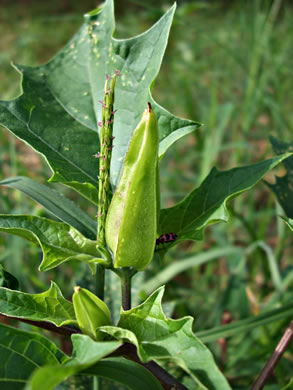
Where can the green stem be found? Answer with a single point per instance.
(96, 384)
(100, 281)
(126, 275)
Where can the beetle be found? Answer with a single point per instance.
(165, 238)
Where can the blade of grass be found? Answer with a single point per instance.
(245, 325)
(176, 268)
(273, 265)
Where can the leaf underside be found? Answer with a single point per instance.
(63, 208)
(59, 242)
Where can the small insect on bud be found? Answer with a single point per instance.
(166, 238)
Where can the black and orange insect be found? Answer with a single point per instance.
(165, 238)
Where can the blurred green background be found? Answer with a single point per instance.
(228, 65)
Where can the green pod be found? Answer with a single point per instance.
(91, 312)
(131, 224)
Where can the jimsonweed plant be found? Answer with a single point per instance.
(91, 114)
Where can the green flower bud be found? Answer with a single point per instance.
(131, 224)
(91, 312)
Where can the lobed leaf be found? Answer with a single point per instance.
(162, 339)
(207, 203)
(49, 306)
(59, 241)
(59, 109)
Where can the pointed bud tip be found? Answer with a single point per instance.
(149, 107)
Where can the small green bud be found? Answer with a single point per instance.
(131, 224)
(91, 312)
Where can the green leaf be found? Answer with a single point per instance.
(125, 372)
(159, 338)
(49, 306)
(283, 188)
(87, 190)
(289, 385)
(7, 279)
(59, 241)
(289, 222)
(126, 336)
(86, 353)
(59, 109)
(207, 203)
(64, 209)
(21, 353)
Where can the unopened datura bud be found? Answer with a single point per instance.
(131, 224)
(91, 312)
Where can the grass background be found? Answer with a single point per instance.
(228, 65)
